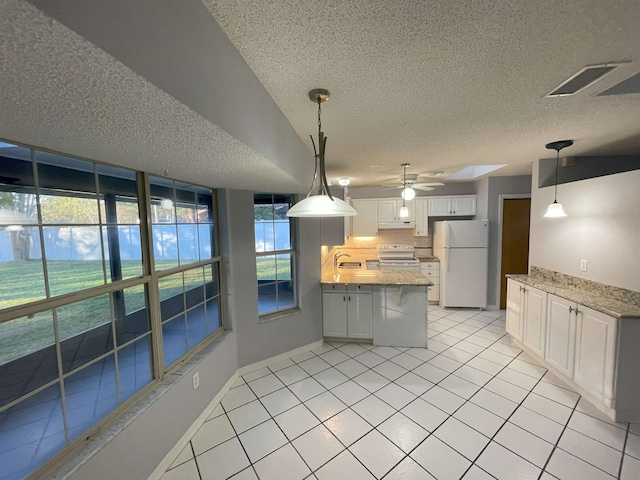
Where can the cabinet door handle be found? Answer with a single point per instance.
(344, 298)
(349, 297)
(571, 309)
(577, 312)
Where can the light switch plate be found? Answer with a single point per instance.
(583, 265)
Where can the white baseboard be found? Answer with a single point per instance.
(191, 431)
(278, 358)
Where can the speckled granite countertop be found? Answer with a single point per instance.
(373, 277)
(594, 300)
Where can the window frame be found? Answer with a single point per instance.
(293, 251)
(147, 279)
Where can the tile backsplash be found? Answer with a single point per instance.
(390, 235)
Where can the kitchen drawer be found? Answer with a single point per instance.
(430, 266)
(334, 287)
(431, 274)
(360, 288)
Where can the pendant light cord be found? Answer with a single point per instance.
(555, 194)
(404, 186)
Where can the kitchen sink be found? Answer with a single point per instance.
(350, 265)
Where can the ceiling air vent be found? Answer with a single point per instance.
(582, 79)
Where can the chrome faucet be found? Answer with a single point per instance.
(337, 256)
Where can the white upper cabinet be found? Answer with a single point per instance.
(439, 207)
(456, 206)
(422, 217)
(389, 213)
(463, 205)
(365, 223)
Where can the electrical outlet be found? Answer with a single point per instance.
(583, 265)
(196, 380)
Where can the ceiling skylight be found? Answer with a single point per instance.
(469, 173)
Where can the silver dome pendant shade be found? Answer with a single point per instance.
(323, 204)
(555, 209)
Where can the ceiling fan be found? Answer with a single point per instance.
(409, 183)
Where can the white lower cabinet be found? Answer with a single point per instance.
(347, 311)
(527, 315)
(431, 270)
(515, 309)
(595, 353)
(535, 319)
(561, 334)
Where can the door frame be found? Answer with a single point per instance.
(501, 198)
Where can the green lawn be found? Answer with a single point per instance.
(22, 282)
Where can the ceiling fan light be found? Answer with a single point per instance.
(404, 211)
(321, 206)
(408, 193)
(344, 181)
(555, 210)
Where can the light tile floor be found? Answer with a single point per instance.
(471, 406)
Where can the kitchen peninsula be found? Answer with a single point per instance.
(385, 307)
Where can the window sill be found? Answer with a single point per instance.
(269, 317)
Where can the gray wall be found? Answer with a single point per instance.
(520, 185)
(257, 341)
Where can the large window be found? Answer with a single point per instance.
(275, 254)
(76, 281)
(186, 263)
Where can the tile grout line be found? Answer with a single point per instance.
(624, 448)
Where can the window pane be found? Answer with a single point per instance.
(188, 243)
(90, 395)
(165, 246)
(57, 208)
(27, 355)
(185, 203)
(266, 268)
(267, 298)
(265, 240)
(85, 331)
(205, 236)
(134, 367)
(196, 324)
(286, 296)
(31, 432)
(171, 295)
(122, 252)
(133, 320)
(212, 283)
(194, 286)
(74, 258)
(284, 267)
(213, 315)
(174, 339)
(21, 281)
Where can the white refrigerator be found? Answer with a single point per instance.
(462, 248)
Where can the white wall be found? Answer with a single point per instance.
(602, 226)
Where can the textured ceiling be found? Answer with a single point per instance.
(442, 84)
(59, 91)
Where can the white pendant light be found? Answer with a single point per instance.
(404, 211)
(323, 204)
(555, 209)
